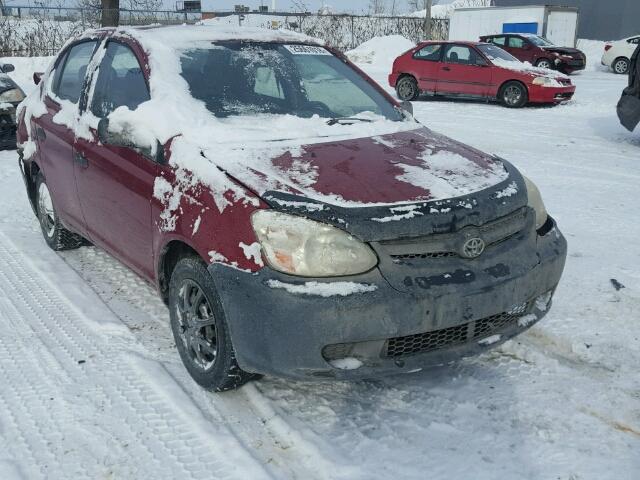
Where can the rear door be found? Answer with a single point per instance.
(463, 71)
(427, 65)
(115, 184)
(55, 137)
(521, 48)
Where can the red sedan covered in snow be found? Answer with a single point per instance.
(475, 70)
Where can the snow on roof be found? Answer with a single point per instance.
(178, 36)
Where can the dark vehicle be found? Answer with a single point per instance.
(629, 104)
(295, 219)
(539, 51)
(475, 70)
(10, 96)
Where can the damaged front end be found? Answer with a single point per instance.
(454, 277)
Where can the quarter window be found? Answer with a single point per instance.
(430, 52)
(120, 81)
(70, 81)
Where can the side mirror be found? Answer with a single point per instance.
(114, 139)
(407, 107)
(37, 77)
(7, 67)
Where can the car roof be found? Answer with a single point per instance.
(457, 42)
(181, 35)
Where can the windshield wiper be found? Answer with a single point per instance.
(347, 120)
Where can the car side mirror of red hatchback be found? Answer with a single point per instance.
(37, 77)
(6, 68)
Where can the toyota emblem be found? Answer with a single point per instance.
(473, 247)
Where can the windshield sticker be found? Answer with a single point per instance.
(307, 50)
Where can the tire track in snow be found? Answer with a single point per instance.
(109, 399)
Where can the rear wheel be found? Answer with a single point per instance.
(621, 66)
(407, 89)
(56, 236)
(543, 63)
(200, 329)
(513, 95)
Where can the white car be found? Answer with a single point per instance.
(617, 55)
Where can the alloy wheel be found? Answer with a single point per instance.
(512, 95)
(198, 331)
(406, 89)
(544, 64)
(621, 67)
(45, 210)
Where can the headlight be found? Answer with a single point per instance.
(298, 246)
(545, 82)
(535, 202)
(12, 96)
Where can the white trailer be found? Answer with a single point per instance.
(557, 24)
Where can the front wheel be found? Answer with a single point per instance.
(200, 328)
(56, 236)
(543, 63)
(621, 66)
(407, 89)
(513, 95)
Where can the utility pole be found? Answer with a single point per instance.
(427, 19)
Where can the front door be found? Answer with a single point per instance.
(115, 184)
(54, 133)
(463, 71)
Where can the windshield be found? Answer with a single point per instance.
(496, 53)
(239, 78)
(540, 41)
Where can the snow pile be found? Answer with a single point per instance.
(446, 10)
(593, 49)
(326, 290)
(380, 50)
(25, 68)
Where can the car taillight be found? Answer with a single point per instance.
(607, 47)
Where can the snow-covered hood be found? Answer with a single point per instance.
(400, 168)
(527, 68)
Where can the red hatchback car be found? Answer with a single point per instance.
(475, 70)
(295, 219)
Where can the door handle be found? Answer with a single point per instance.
(81, 160)
(447, 69)
(40, 133)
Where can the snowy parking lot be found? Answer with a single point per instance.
(92, 385)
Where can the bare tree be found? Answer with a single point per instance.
(377, 7)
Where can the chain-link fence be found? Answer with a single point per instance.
(39, 31)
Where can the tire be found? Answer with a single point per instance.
(407, 89)
(513, 95)
(621, 66)
(200, 329)
(544, 63)
(57, 237)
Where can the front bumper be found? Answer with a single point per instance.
(539, 94)
(305, 336)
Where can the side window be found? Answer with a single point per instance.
(267, 83)
(634, 41)
(516, 42)
(500, 41)
(120, 81)
(69, 81)
(460, 54)
(430, 52)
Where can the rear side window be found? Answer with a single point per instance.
(430, 52)
(69, 82)
(634, 41)
(120, 81)
(516, 42)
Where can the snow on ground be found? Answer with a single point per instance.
(92, 385)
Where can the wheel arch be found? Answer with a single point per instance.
(511, 80)
(170, 254)
(30, 171)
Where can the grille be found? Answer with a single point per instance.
(452, 336)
